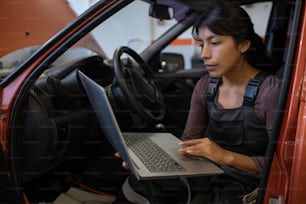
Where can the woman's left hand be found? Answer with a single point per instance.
(206, 148)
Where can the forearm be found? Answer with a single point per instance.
(240, 161)
(206, 148)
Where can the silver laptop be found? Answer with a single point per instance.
(163, 161)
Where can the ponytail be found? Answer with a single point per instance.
(257, 54)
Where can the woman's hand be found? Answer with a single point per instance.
(206, 148)
(124, 164)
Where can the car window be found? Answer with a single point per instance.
(137, 30)
(129, 28)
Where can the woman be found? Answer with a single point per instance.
(232, 108)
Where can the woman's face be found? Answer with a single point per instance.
(220, 53)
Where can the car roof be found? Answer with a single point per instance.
(185, 7)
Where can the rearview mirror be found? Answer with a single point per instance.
(161, 12)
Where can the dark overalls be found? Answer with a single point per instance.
(238, 130)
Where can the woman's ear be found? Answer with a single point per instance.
(244, 46)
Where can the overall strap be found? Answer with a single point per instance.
(212, 88)
(252, 89)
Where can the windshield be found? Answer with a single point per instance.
(127, 27)
(133, 27)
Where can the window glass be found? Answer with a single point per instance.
(137, 30)
(129, 28)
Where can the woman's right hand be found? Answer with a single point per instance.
(124, 164)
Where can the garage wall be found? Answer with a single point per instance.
(26, 23)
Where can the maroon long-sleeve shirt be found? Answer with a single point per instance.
(265, 107)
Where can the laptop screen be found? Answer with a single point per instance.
(104, 113)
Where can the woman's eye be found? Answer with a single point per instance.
(215, 43)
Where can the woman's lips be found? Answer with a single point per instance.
(210, 67)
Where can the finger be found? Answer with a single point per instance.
(191, 142)
(182, 151)
(117, 155)
(193, 151)
(188, 150)
(125, 165)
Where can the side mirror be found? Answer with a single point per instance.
(161, 12)
(171, 62)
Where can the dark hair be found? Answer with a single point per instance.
(228, 19)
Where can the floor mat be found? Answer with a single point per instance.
(78, 196)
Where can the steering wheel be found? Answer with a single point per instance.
(134, 85)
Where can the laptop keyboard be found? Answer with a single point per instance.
(153, 157)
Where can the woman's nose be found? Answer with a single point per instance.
(205, 54)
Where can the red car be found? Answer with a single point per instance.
(50, 137)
